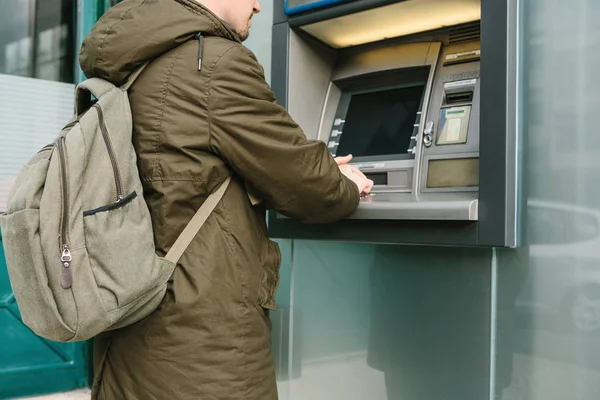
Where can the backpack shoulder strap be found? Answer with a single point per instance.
(84, 91)
(193, 227)
(98, 87)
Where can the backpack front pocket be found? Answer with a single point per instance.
(37, 292)
(125, 270)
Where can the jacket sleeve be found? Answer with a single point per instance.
(263, 145)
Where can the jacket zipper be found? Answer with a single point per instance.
(66, 278)
(111, 152)
(200, 40)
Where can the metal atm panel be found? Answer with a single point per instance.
(380, 105)
(451, 179)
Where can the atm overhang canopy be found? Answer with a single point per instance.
(386, 21)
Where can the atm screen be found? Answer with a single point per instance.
(381, 123)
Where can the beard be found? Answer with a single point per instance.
(244, 33)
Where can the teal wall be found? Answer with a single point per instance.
(376, 322)
(87, 14)
(29, 364)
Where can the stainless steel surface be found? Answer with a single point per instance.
(310, 66)
(386, 58)
(398, 19)
(425, 166)
(381, 59)
(315, 102)
(468, 149)
(432, 58)
(404, 206)
(513, 120)
(328, 115)
(428, 134)
(438, 100)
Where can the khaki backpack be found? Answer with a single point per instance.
(77, 232)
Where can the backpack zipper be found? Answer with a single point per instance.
(111, 153)
(66, 277)
(46, 147)
(70, 125)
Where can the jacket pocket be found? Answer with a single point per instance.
(270, 275)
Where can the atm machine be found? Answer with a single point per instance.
(423, 94)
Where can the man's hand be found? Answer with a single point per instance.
(364, 184)
(343, 160)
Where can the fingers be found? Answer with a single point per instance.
(365, 185)
(343, 160)
(357, 171)
(353, 169)
(369, 186)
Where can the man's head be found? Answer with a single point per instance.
(238, 13)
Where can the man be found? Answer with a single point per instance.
(202, 111)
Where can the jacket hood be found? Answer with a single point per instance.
(136, 31)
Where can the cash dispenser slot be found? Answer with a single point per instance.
(461, 97)
(380, 178)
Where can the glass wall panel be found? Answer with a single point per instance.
(389, 322)
(37, 39)
(548, 324)
(16, 37)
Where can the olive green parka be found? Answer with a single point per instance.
(194, 126)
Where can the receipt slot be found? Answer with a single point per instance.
(423, 94)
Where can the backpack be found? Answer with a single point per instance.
(77, 233)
